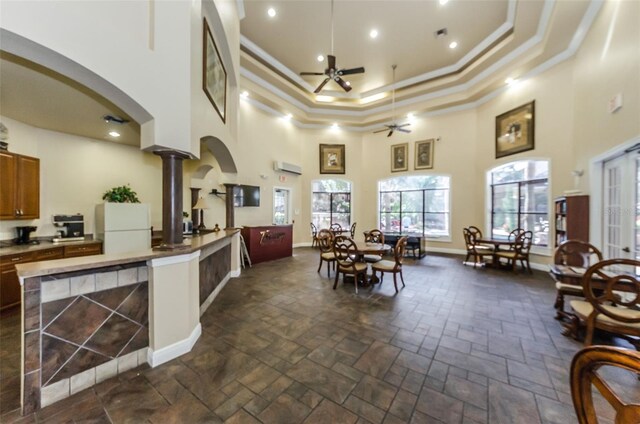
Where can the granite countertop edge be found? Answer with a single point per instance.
(57, 266)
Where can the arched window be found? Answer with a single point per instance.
(520, 199)
(331, 203)
(417, 204)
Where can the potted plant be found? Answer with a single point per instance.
(122, 194)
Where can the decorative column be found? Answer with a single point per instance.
(172, 199)
(230, 209)
(195, 214)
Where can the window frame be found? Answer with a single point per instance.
(424, 212)
(331, 193)
(535, 249)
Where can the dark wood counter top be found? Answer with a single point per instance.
(192, 244)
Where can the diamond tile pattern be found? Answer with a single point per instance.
(114, 323)
(279, 345)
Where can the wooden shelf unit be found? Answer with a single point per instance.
(572, 218)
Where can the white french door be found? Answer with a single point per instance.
(621, 231)
(281, 206)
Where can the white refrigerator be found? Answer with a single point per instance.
(123, 227)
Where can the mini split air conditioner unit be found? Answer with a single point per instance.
(287, 167)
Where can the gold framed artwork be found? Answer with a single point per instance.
(515, 130)
(332, 159)
(214, 76)
(399, 155)
(424, 154)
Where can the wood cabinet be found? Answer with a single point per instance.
(19, 186)
(269, 242)
(10, 290)
(572, 218)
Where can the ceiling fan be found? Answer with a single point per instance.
(332, 72)
(393, 126)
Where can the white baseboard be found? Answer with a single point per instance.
(304, 244)
(445, 250)
(159, 357)
(205, 305)
(235, 273)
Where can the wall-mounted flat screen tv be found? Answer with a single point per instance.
(246, 195)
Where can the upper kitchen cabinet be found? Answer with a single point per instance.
(19, 186)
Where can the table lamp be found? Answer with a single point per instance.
(200, 206)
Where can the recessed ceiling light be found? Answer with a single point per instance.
(410, 116)
(443, 2)
(320, 58)
(244, 94)
(114, 134)
(322, 98)
(348, 83)
(335, 126)
(510, 81)
(373, 33)
(272, 12)
(288, 116)
(453, 44)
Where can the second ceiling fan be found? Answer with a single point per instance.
(393, 126)
(333, 73)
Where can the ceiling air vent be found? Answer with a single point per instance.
(440, 33)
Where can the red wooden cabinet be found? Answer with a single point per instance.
(268, 242)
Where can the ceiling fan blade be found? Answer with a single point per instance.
(403, 125)
(322, 84)
(352, 71)
(332, 61)
(379, 131)
(403, 130)
(390, 133)
(342, 83)
(311, 73)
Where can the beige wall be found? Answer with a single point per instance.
(76, 171)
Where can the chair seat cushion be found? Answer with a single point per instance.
(328, 256)
(484, 247)
(360, 267)
(509, 254)
(384, 265)
(583, 309)
(569, 288)
(372, 258)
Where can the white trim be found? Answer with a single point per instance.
(165, 354)
(289, 191)
(235, 273)
(205, 305)
(445, 250)
(171, 260)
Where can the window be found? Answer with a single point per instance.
(520, 199)
(415, 205)
(331, 203)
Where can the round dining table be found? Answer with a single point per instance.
(366, 248)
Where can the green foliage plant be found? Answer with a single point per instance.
(122, 194)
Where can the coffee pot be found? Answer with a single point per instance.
(24, 235)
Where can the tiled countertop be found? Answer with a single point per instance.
(57, 266)
(13, 249)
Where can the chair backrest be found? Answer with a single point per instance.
(584, 374)
(475, 231)
(346, 252)
(325, 240)
(614, 277)
(314, 230)
(353, 230)
(336, 227)
(374, 236)
(523, 242)
(399, 251)
(576, 253)
(513, 235)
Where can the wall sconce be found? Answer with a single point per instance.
(200, 206)
(577, 173)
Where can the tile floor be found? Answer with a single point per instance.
(457, 345)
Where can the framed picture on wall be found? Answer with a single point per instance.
(399, 155)
(332, 159)
(214, 76)
(515, 130)
(424, 154)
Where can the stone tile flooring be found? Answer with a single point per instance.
(457, 345)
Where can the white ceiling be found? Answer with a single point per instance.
(496, 39)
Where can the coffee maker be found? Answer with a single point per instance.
(70, 227)
(24, 235)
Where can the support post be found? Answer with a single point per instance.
(172, 238)
(195, 214)
(230, 209)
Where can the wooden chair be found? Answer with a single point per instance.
(353, 230)
(336, 229)
(478, 251)
(325, 243)
(578, 254)
(584, 374)
(613, 304)
(394, 266)
(314, 235)
(520, 252)
(477, 234)
(346, 255)
(373, 236)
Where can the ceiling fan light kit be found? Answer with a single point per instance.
(331, 72)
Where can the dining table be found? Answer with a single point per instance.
(498, 244)
(367, 248)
